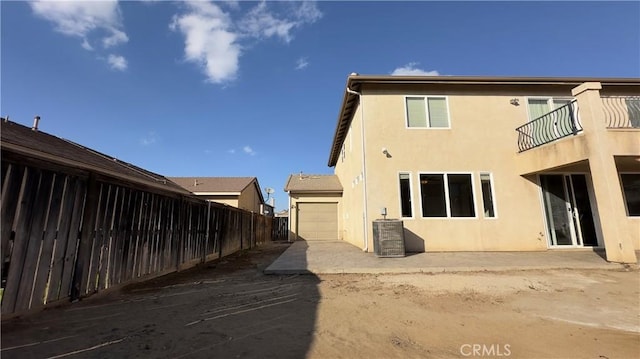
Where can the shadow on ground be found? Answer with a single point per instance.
(227, 308)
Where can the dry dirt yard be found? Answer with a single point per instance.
(230, 309)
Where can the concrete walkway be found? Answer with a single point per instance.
(323, 257)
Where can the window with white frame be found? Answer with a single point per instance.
(540, 106)
(447, 195)
(487, 195)
(427, 112)
(631, 192)
(406, 209)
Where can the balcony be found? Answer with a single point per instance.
(559, 123)
(590, 127)
(621, 111)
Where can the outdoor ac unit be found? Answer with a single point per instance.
(388, 238)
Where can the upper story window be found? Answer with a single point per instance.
(427, 112)
(540, 106)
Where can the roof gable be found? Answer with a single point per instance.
(221, 185)
(313, 183)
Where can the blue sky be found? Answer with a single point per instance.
(240, 88)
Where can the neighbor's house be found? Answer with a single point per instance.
(491, 163)
(315, 210)
(239, 192)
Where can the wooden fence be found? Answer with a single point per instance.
(67, 235)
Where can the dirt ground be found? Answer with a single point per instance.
(230, 309)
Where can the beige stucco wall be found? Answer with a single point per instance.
(351, 172)
(230, 201)
(249, 199)
(482, 138)
(295, 198)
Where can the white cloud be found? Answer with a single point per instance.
(117, 62)
(308, 12)
(118, 37)
(302, 63)
(234, 4)
(261, 22)
(86, 45)
(149, 139)
(410, 69)
(81, 18)
(248, 150)
(213, 37)
(209, 41)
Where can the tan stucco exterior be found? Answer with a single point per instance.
(248, 199)
(481, 138)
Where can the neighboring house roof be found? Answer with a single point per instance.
(218, 186)
(34, 143)
(313, 183)
(473, 83)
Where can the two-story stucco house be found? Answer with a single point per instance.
(491, 163)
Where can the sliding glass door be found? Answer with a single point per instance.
(568, 210)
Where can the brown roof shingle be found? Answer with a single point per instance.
(313, 183)
(214, 184)
(23, 140)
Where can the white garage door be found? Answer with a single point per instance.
(317, 221)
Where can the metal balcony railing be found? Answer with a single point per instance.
(621, 111)
(556, 124)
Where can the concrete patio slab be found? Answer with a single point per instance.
(327, 257)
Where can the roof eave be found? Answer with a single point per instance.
(315, 191)
(344, 119)
(96, 169)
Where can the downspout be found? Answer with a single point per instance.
(364, 171)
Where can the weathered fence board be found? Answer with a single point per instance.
(26, 209)
(115, 259)
(12, 176)
(36, 230)
(68, 235)
(46, 253)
